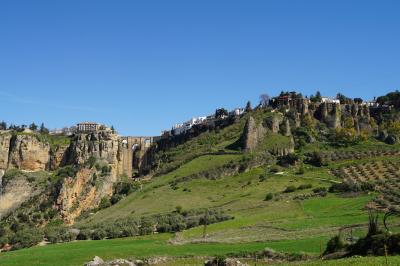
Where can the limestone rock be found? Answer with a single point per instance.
(252, 134)
(5, 140)
(104, 146)
(95, 262)
(26, 152)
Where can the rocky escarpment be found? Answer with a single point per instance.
(252, 135)
(24, 151)
(28, 153)
(256, 133)
(104, 146)
(82, 192)
(5, 141)
(98, 156)
(95, 160)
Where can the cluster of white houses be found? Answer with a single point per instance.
(181, 128)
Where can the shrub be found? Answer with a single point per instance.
(59, 234)
(91, 161)
(26, 238)
(289, 159)
(125, 188)
(84, 234)
(146, 226)
(290, 189)
(104, 203)
(304, 186)
(335, 244)
(269, 196)
(274, 169)
(315, 159)
(178, 209)
(3, 240)
(301, 170)
(115, 198)
(67, 171)
(98, 234)
(262, 177)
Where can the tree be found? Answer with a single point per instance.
(112, 129)
(3, 125)
(264, 100)
(43, 129)
(358, 100)
(318, 96)
(248, 107)
(220, 113)
(343, 99)
(33, 127)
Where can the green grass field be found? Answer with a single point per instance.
(77, 253)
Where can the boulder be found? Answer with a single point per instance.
(97, 261)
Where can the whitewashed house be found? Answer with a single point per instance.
(329, 100)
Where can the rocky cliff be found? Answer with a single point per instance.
(104, 146)
(28, 153)
(95, 158)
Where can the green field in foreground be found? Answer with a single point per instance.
(76, 253)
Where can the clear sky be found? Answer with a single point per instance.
(145, 65)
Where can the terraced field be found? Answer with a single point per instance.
(382, 176)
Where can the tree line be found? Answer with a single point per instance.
(19, 128)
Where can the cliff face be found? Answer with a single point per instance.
(91, 183)
(104, 146)
(83, 192)
(252, 134)
(28, 153)
(5, 140)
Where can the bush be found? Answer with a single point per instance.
(304, 186)
(301, 170)
(321, 191)
(98, 234)
(115, 198)
(315, 159)
(290, 189)
(3, 240)
(269, 196)
(84, 234)
(104, 203)
(91, 161)
(274, 169)
(67, 171)
(26, 238)
(125, 188)
(59, 234)
(335, 244)
(262, 177)
(289, 159)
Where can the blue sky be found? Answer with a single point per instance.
(145, 65)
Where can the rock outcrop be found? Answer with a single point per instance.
(252, 135)
(5, 141)
(104, 146)
(26, 152)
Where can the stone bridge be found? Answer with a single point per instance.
(134, 154)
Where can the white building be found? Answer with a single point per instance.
(237, 112)
(87, 126)
(329, 100)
